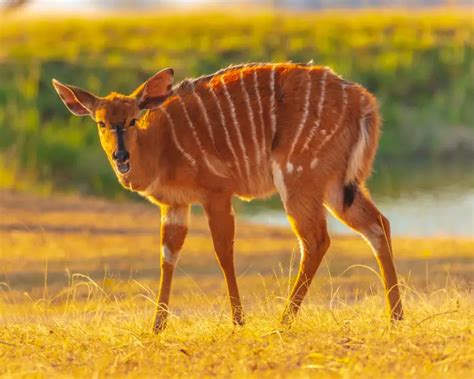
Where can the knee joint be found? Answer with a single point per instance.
(319, 243)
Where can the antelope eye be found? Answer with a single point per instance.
(133, 122)
(101, 124)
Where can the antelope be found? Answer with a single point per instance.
(246, 131)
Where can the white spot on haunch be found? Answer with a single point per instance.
(299, 169)
(289, 167)
(279, 181)
(314, 163)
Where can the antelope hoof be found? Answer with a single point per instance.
(238, 321)
(287, 317)
(160, 324)
(397, 315)
(286, 321)
(238, 318)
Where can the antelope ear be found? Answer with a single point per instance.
(155, 90)
(78, 101)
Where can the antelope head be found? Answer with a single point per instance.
(117, 118)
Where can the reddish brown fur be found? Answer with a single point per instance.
(245, 131)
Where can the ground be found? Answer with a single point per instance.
(78, 279)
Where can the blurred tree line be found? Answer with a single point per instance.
(420, 66)
(295, 4)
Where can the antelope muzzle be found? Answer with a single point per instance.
(121, 156)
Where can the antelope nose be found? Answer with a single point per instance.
(121, 156)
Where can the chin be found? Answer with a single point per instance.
(126, 182)
(123, 179)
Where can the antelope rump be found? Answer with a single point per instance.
(247, 131)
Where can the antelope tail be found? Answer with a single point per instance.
(361, 158)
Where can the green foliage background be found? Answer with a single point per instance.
(420, 65)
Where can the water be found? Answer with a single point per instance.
(419, 200)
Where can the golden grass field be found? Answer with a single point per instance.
(78, 279)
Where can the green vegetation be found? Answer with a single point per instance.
(420, 65)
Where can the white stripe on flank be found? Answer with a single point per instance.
(260, 109)
(338, 124)
(196, 137)
(251, 118)
(304, 116)
(236, 125)
(206, 116)
(272, 102)
(175, 139)
(317, 123)
(226, 132)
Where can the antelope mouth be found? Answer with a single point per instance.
(123, 168)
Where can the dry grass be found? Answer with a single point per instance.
(79, 276)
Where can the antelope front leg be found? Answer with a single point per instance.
(221, 223)
(174, 227)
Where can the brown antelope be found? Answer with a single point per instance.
(247, 130)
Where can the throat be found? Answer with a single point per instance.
(144, 162)
(135, 181)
